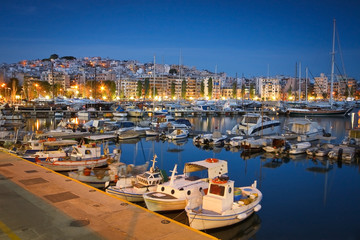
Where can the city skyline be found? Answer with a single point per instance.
(254, 38)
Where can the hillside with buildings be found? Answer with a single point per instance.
(109, 79)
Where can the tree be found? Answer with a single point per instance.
(346, 93)
(68, 58)
(242, 91)
(252, 91)
(173, 71)
(234, 89)
(202, 89)
(210, 87)
(324, 94)
(183, 89)
(57, 89)
(54, 56)
(139, 89)
(290, 92)
(172, 89)
(154, 93)
(109, 89)
(147, 87)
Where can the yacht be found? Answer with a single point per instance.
(254, 124)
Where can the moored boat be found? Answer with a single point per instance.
(174, 194)
(223, 205)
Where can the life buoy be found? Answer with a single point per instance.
(212, 160)
(219, 181)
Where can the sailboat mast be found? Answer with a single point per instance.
(299, 81)
(306, 84)
(332, 65)
(154, 88)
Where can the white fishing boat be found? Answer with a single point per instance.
(145, 182)
(86, 155)
(278, 145)
(344, 153)
(174, 194)
(98, 177)
(128, 135)
(255, 124)
(253, 145)
(43, 155)
(212, 139)
(299, 148)
(163, 121)
(135, 112)
(320, 150)
(234, 141)
(223, 205)
(178, 134)
(35, 145)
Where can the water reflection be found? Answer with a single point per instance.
(243, 230)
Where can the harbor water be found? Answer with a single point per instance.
(303, 198)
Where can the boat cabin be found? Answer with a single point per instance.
(220, 196)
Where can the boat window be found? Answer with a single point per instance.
(188, 192)
(172, 191)
(200, 189)
(217, 190)
(157, 175)
(251, 120)
(87, 152)
(230, 189)
(162, 189)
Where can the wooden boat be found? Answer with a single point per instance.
(173, 195)
(178, 134)
(86, 155)
(133, 191)
(299, 148)
(223, 205)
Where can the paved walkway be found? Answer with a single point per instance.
(36, 203)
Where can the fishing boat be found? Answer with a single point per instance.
(223, 205)
(342, 152)
(255, 124)
(174, 194)
(212, 139)
(299, 148)
(135, 112)
(320, 150)
(133, 191)
(178, 134)
(35, 145)
(278, 145)
(163, 121)
(98, 177)
(43, 155)
(254, 145)
(85, 155)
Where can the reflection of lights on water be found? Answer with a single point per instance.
(352, 120)
(37, 124)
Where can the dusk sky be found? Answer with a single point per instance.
(243, 37)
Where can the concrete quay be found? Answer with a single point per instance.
(37, 203)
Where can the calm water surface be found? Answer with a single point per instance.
(302, 198)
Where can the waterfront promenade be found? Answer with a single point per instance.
(37, 203)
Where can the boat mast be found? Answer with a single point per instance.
(306, 84)
(332, 65)
(154, 89)
(299, 81)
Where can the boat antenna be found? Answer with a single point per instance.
(152, 169)
(332, 65)
(299, 81)
(173, 175)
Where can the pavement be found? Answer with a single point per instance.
(37, 203)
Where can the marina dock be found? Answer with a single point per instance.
(37, 203)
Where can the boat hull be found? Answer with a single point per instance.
(162, 205)
(67, 165)
(207, 221)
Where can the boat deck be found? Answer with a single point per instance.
(37, 203)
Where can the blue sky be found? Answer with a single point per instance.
(243, 37)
